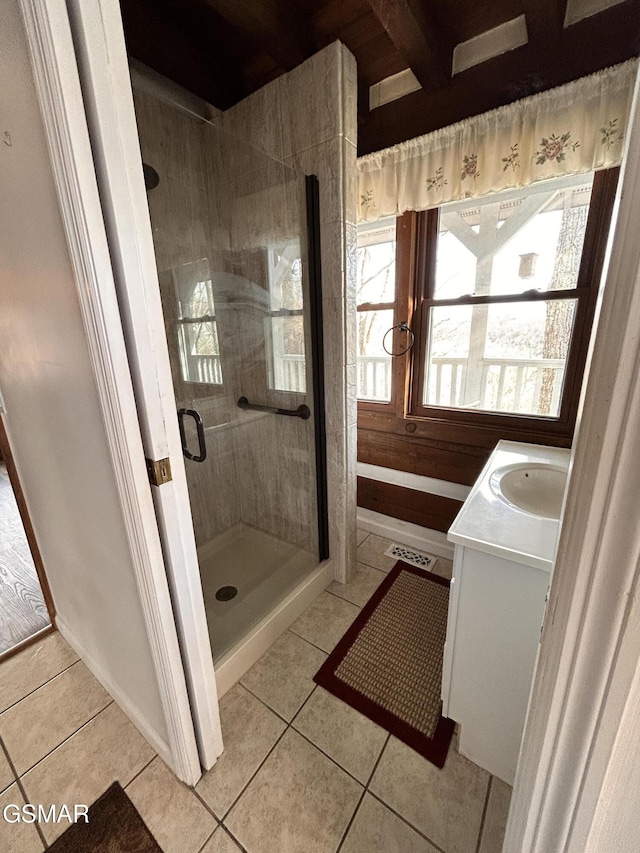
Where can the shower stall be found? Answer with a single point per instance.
(238, 266)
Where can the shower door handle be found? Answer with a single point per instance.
(199, 427)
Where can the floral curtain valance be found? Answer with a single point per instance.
(574, 128)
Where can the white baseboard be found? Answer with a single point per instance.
(124, 703)
(247, 651)
(405, 533)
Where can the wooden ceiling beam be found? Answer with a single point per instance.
(588, 46)
(418, 38)
(282, 31)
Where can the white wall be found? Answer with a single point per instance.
(616, 823)
(54, 421)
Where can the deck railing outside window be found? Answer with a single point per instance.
(374, 378)
(507, 385)
(205, 368)
(290, 372)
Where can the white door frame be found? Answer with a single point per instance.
(96, 27)
(590, 649)
(61, 102)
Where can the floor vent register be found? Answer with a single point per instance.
(416, 558)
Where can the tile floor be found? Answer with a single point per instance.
(301, 773)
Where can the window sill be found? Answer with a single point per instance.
(476, 432)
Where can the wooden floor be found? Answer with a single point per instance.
(23, 611)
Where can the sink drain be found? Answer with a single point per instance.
(226, 593)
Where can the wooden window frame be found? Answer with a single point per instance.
(405, 251)
(415, 273)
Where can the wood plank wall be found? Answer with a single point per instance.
(428, 510)
(415, 455)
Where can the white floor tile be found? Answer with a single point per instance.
(325, 621)
(361, 535)
(26, 671)
(361, 587)
(348, 737)
(107, 749)
(221, 842)
(376, 829)
(6, 773)
(173, 813)
(17, 837)
(371, 552)
(495, 820)
(283, 677)
(299, 801)
(42, 720)
(249, 731)
(445, 805)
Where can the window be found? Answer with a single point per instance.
(285, 323)
(500, 312)
(500, 293)
(376, 306)
(198, 345)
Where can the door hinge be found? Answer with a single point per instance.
(159, 471)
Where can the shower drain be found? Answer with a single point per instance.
(226, 593)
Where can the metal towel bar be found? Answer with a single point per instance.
(303, 411)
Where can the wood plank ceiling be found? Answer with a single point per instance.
(223, 50)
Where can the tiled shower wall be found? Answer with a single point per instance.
(307, 119)
(275, 457)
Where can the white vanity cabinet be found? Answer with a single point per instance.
(501, 575)
(496, 608)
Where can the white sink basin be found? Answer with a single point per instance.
(533, 487)
(513, 510)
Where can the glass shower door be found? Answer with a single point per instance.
(230, 232)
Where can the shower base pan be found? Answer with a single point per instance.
(275, 582)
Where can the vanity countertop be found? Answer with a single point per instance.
(487, 523)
